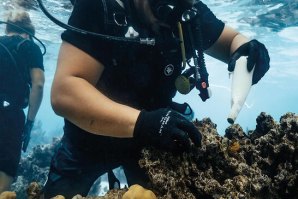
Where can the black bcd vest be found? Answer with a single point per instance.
(15, 81)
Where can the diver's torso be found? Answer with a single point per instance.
(136, 75)
(141, 77)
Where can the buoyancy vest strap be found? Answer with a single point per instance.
(120, 3)
(14, 60)
(5, 97)
(20, 43)
(9, 54)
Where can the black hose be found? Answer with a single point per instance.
(85, 32)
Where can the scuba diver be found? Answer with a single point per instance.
(116, 95)
(22, 81)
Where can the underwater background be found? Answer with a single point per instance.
(273, 22)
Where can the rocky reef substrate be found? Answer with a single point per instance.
(262, 163)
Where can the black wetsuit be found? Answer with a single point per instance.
(12, 117)
(134, 75)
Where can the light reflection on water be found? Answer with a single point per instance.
(273, 22)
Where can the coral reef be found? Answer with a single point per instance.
(262, 164)
(34, 168)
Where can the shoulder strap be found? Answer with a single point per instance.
(14, 60)
(10, 55)
(20, 43)
(27, 72)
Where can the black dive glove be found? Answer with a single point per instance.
(257, 56)
(27, 134)
(166, 129)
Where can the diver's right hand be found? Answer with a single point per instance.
(166, 129)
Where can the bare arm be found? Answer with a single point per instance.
(36, 94)
(226, 44)
(74, 96)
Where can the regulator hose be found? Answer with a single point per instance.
(146, 41)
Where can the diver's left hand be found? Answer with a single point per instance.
(258, 57)
(27, 134)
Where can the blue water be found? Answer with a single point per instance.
(275, 23)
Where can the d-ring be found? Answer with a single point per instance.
(120, 19)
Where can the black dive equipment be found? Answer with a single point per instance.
(196, 75)
(18, 102)
(30, 34)
(146, 41)
(170, 12)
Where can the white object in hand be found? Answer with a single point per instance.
(241, 84)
